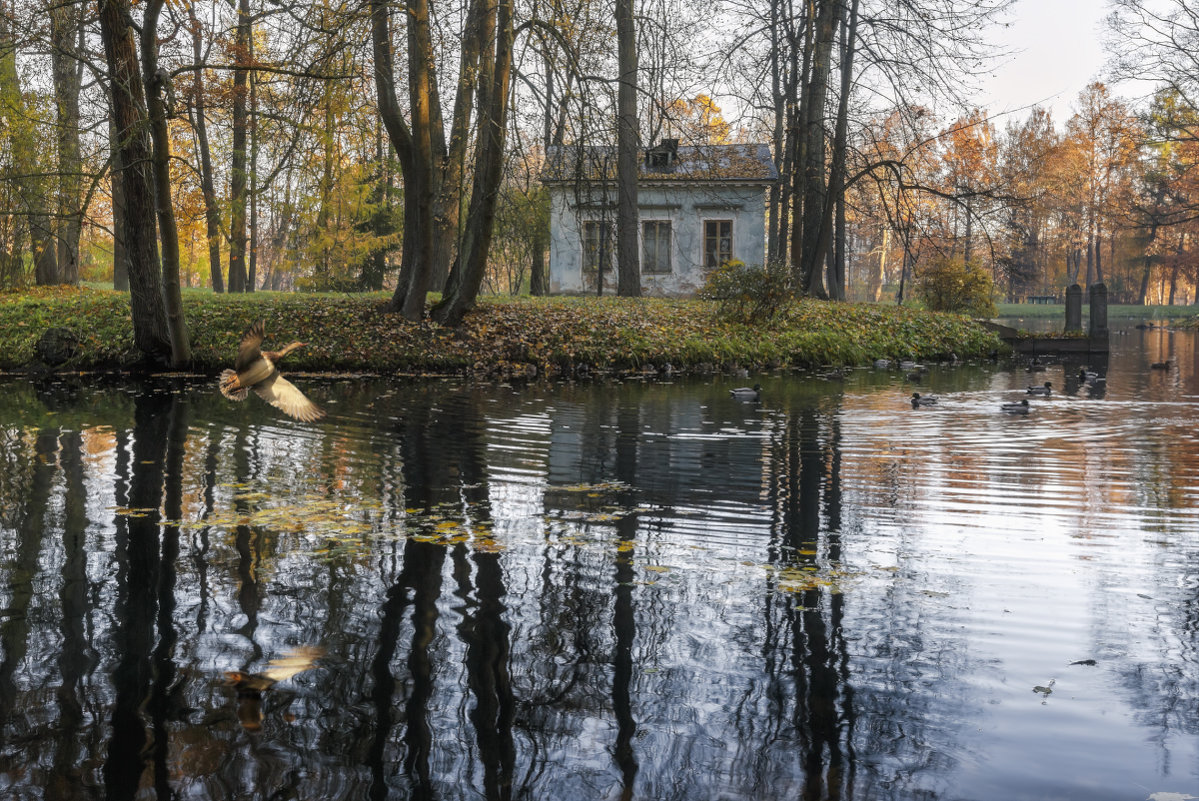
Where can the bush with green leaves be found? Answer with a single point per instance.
(952, 284)
(750, 294)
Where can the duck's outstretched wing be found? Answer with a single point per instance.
(284, 396)
(250, 348)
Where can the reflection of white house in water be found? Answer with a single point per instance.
(705, 460)
(698, 207)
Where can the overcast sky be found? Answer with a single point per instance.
(1056, 51)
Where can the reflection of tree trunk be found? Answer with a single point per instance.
(74, 661)
(139, 561)
(624, 618)
(815, 659)
(23, 574)
(421, 573)
(485, 633)
(161, 695)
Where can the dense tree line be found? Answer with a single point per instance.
(280, 145)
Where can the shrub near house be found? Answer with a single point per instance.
(953, 284)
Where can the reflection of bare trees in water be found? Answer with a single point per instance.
(1159, 675)
(565, 666)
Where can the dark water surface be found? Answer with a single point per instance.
(606, 590)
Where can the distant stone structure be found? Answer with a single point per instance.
(1073, 308)
(1098, 310)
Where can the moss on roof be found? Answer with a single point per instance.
(703, 163)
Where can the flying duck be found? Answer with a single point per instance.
(255, 369)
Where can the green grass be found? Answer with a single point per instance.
(1114, 312)
(501, 336)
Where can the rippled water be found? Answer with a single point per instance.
(607, 590)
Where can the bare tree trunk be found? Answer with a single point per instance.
(32, 190)
(413, 150)
(212, 214)
(66, 31)
(157, 82)
(815, 201)
(133, 143)
(1147, 266)
(252, 271)
(120, 253)
(448, 203)
(835, 200)
(774, 205)
(628, 265)
(467, 275)
(238, 122)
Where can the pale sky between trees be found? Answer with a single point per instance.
(1055, 49)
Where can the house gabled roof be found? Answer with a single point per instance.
(748, 163)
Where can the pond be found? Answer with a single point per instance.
(603, 590)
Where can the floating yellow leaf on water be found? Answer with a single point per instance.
(657, 568)
(487, 546)
(133, 512)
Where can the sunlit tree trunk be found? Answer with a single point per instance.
(252, 192)
(32, 191)
(157, 83)
(469, 269)
(212, 214)
(238, 123)
(479, 30)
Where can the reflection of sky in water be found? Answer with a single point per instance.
(570, 588)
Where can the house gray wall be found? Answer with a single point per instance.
(686, 206)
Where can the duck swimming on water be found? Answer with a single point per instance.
(753, 393)
(919, 400)
(1042, 390)
(1020, 407)
(254, 369)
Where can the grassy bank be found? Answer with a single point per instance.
(1114, 312)
(503, 335)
